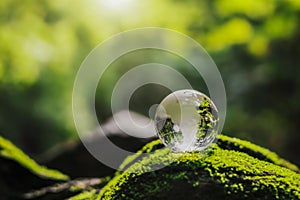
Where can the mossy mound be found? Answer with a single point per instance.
(253, 150)
(19, 173)
(230, 169)
(224, 142)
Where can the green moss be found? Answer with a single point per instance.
(11, 152)
(218, 173)
(224, 142)
(256, 151)
(85, 195)
(150, 147)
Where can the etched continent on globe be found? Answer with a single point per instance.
(187, 120)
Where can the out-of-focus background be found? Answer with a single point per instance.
(255, 44)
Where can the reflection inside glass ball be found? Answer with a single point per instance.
(186, 120)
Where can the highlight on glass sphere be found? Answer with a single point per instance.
(186, 120)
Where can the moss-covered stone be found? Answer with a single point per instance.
(230, 169)
(19, 173)
(11, 152)
(253, 150)
(224, 142)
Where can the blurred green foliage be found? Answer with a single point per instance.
(255, 44)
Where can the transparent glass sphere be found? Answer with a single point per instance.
(186, 120)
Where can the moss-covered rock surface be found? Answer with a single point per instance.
(19, 173)
(230, 169)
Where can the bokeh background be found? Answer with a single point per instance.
(255, 44)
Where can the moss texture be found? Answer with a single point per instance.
(253, 150)
(92, 194)
(224, 142)
(230, 169)
(11, 152)
(19, 173)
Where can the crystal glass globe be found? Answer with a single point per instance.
(186, 120)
